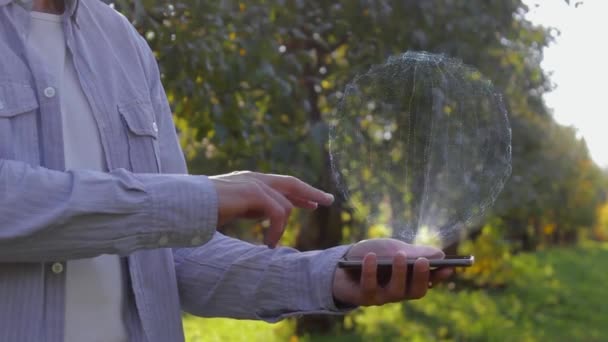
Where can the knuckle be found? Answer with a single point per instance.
(296, 183)
(254, 189)
(240, 173)
(289, 183)
(299, 184)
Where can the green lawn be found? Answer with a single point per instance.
(558, 295)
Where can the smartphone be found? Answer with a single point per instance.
(353, 266)
(448, 261)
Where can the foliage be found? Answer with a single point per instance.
(492, 254)
(252, 83)
(557, 192)
(600, 230)
(556, 296)
(222, 329)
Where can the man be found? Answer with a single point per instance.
(104, 236)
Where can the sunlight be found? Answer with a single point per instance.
(576, 62)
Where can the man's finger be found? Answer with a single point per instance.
(279, 198)
(302, 203)
(277, 226)
(420, 279)
(292, 186)
(396, 287)
(369, 282)
(275, 212)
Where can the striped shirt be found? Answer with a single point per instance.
(145, 208)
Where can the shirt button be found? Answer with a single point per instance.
(163, 241)
(196, 241)
(49, 92)
(57, 268)
(155, 127)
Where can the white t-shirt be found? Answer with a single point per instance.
(94, 287)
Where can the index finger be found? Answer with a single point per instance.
(292, 186)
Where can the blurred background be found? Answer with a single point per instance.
(251, 84)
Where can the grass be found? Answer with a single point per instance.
(558, 295)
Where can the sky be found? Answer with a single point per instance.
(578, 63)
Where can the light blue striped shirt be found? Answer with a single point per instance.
(145, 208)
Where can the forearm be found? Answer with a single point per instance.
(231, 278)
(52, 215)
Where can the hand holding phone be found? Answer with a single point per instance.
(354, 281)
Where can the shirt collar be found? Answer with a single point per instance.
(71, 5)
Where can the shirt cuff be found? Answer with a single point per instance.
(184, 208)
(313, 291)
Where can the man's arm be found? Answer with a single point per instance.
(48, 215)
(231, 278)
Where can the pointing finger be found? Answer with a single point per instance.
(294, 187)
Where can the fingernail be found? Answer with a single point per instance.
(329, 196)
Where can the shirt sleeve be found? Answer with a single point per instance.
(231, 278)
(49, 215)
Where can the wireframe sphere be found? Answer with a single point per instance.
(421, 146)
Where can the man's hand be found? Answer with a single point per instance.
(366, 291)
(265, 196)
